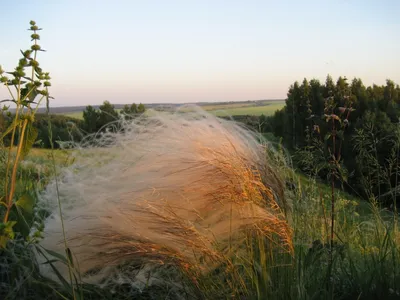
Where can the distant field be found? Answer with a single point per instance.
(77, 114)
(229, 105)
(225, 109)
(267, 110)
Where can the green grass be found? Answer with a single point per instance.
(228, 105)
(267, 110)
(366, 251)
(76, 115)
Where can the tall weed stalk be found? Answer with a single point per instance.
(28, 88)
(27, 92)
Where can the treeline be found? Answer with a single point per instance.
(57, 128)
(63, 128)
(95, 120)
(354, 125)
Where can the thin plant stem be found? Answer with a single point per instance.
(59, 200)
(10, 148)
(332, 205)
(14, 172)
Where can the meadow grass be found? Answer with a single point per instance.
(209, 107)
(366, 252)
(76, 115)
(230, 105)
(266, 110)
(366, 249)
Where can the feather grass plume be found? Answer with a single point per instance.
(185, 189)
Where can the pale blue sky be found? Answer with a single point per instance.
(188, 51)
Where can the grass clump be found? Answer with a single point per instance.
(192, 191)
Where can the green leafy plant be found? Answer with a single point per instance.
(28, 88)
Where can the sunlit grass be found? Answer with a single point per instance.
(366, 253)
(266, 110)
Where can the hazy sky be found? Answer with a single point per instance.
(187, 51)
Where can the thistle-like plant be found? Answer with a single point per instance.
(28, 87)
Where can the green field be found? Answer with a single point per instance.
(250, 110)
(224, 109)
(229, 105)
(78, 114)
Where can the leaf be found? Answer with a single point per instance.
(30, 138)
(50, 261)
(26, 202)
(335, 117)
(57, 255)
(38, 142)
(327, 136)
(24, 92)
(3, 241)
(13, 125)
(69, 255)
(56, 272)
(340, 134)
(7, 233)
(27, 78)
(33, 95)
(24, 218)
(11, 83)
